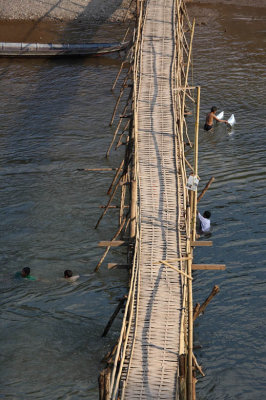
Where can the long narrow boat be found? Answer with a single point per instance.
(60, 49)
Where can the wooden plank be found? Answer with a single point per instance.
(215, 267)
(112, 243)
(202, 243)
(119, 266)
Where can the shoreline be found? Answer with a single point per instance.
(94, 11)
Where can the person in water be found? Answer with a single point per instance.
(68, 275)
(210, 117)
(25, 274)
(205, 222)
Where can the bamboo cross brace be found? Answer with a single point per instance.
(115, 313)
(108, 248)
(109, 202)
(119, 169)
(176, 269)
(120, 95)
(122, 133)
(174, 259)
(118, 74)
(188, 164)
(197, 365)
(119, 124)
(206, 188)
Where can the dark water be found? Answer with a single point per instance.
(54, 119)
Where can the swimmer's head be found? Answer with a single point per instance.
(207, 214)
(214, 109)
(25, 272)
(68, 273)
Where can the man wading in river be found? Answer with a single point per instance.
(210, 117)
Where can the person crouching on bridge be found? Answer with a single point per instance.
(210, 117)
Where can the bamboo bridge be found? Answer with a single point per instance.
(153, 358)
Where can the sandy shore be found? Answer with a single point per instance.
(105, 10)
(65, 10)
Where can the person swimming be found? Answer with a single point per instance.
(68, 275)
(25, 274)
(210, 117)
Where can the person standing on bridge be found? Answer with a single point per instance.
(210, 117)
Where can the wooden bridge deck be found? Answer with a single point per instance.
(152, 371)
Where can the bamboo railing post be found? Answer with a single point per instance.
(196, 149)
(182, 377)
(190, 332)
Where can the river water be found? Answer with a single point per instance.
(54, 120)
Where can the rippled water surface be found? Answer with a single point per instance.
(54, 120)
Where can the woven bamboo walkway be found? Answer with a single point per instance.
(153, 365)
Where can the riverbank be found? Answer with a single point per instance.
(95, 11)
(65, 10)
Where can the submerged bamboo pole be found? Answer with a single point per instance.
(201, 309)
(113, 316)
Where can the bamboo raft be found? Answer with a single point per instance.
(153, 358)
(58, 49)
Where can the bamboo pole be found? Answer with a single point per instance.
(197, 365)
(97, 169)
(196, 147)
(201, 309)
(123, 86)
(108, 248)
(113, 316)
(187, 71)
(118, 74)
(122, 133)
(190, 332)
(182, 377)
(119, 123)
(189, 165)
(123, 196)
(206, 188)
(119, 169)
(109, 202)
(101, 385)
(188, 276)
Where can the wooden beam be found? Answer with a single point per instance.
(119, 266)
(215, 267)
(202, 243)
(112, 243)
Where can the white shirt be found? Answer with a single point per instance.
(205, 223)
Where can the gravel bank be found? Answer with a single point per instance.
(64, 10)
(101, 10)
